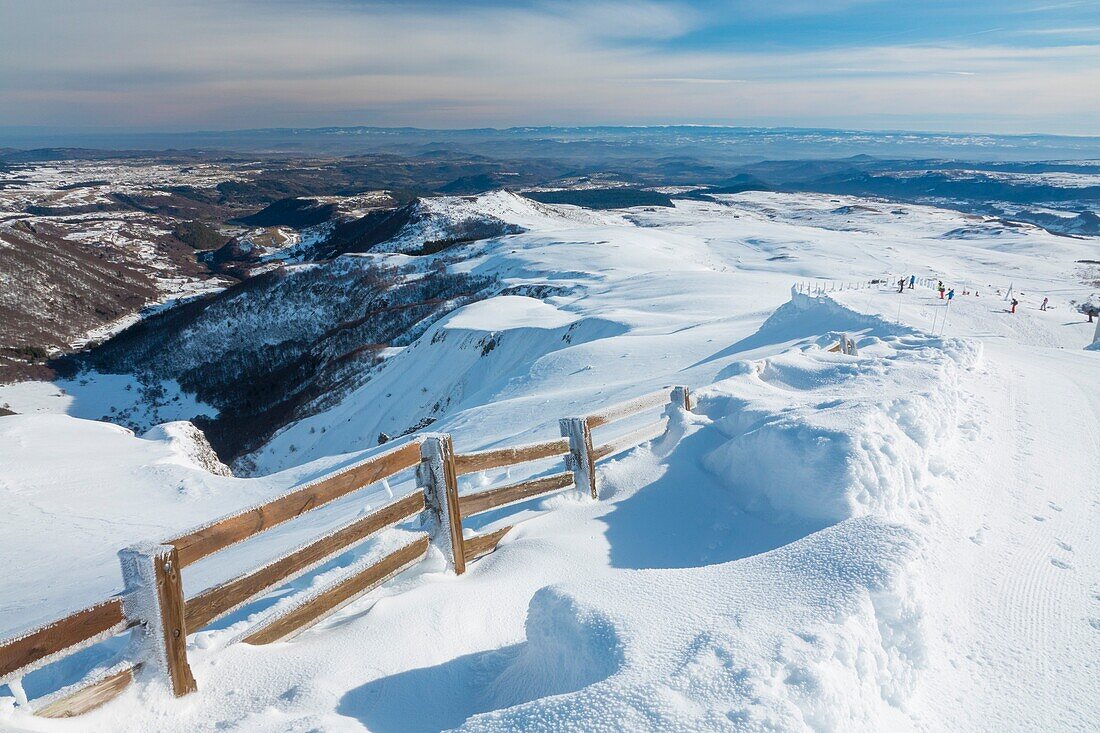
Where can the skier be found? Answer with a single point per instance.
(1014, 304)
(912, 280)
(901, 285)
(1043, 307)
(951, 294)
(942, 291)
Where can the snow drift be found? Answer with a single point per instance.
(823, 633)
(783, 641)
(839, 436)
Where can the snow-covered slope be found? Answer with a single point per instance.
(659, 297)
(899, 540)
(434, 224)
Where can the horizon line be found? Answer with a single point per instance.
(137, 132)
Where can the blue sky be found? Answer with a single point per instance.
(1008, 66)
(805, 25)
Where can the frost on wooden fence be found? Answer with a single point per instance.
(440, 472)
(579, 431)
(237, 527)
(156, 611)
(153, 599)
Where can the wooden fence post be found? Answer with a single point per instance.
(440, 481)
(681, 397)
(580, 453)
(154, 598)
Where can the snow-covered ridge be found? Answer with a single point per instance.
(511, 208)
(429, 225)
(462, 361)
(438, 220)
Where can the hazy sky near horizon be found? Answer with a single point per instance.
(966, 65)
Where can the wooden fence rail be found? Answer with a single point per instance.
(485, 460)
(43, 645)
(159, 616)
(244, 524)
(220, 600)
(483, 501)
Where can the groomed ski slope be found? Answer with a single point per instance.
(897, 540)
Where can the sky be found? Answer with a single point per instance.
(1005, 66)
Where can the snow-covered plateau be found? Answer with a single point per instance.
(898, 539)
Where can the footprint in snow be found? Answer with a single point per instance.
(1060, 564)
(1054, 506)
(1095, 623)
(1065, 546)
(1037, 518)
(970, 430)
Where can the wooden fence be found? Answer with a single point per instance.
(155, 610)
(821, 287)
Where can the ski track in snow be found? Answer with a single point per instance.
(902, 540)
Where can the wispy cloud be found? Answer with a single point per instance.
(1077, 31)
(686, 80)
(1031, 8)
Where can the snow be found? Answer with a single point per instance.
(189, 446)
(506, 312)
(39, 183)
(97, 488)
(730, 662)
(901, 539)
(119, 398)
(792, 412)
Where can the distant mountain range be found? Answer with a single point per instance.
(721, 144)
